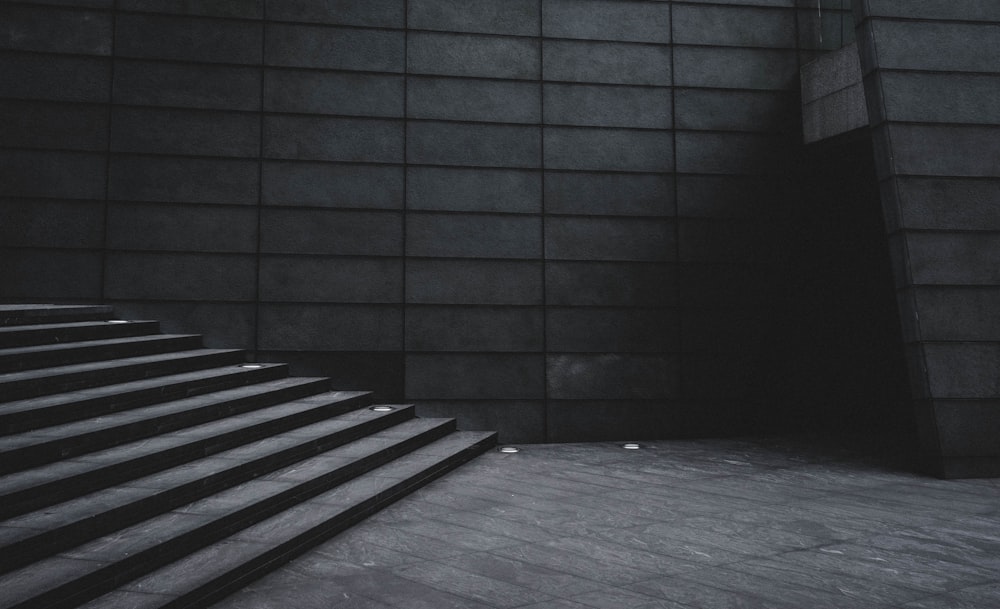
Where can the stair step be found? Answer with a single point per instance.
(48, 444)
(28, 490)
(45, 334)
(37, 534)
(215, 571)
(46, 381)
(46, 356)
(23, 314)
(36, 412)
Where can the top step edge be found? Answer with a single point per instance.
(30, 314)
(69, 325)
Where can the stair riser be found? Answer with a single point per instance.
(261, 565)
(65, 413)
(65, 448)
(65, 357)
(56, 540)
(28, 336)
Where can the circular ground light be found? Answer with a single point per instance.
(631, 446)
(381, 408)
(509, 449)
(252, 366)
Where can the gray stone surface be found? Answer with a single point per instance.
(676, 524)
(606, 62)
(334, 48)
(149, 83)
(468, 375)
(188, 38)
(472, 55)
(607, 20)
(53, 30)
(515, 17)
(370, 13)
(457, 235)
(733, 26)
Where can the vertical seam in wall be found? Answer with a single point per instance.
(260, 178)
(107, 158)
(678, 312)
(406, 194)
(798, 46)
(541, 163)
(908, 279)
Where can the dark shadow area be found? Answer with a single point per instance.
(839, 368)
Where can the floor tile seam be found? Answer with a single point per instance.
(792, 566)
(629, 587)
(765, 528)
(478, 575)
(459, 550)
(454, 525)
(963, 496)
(837, 505)
(930, 540)
(727, 567)
(441, 519)
(845, 573)
(554, 568)
(530, 479)
(550, 570)
(995, 539)
(734, 495)
(741, 593)
(436, 589)
(580, 598)
(607, 541)
(527, 484)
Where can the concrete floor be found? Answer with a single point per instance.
(707, 524)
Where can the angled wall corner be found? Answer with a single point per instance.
(932, 87)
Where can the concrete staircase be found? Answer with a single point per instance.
(139, 465)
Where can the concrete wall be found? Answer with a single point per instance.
(561, 219)
(933, 88)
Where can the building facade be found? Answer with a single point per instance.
(563, 219)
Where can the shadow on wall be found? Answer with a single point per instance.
(839, 364)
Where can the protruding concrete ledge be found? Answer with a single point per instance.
(833, 96)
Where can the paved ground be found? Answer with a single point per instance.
(705, 524)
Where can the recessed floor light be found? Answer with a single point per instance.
(252, 366)
(631, 446)
(381, 408)
(509, 449)
(117, 321)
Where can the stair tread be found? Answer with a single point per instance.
(42, 373)
(233, 509)
(67, 431)
(28, 314)
(124, 340)
(71, 397)
(211, 563)
(37, 334)
(93, 464)
(95, 503)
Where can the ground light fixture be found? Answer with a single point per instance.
(509, 450)
(631, 446)
(382, 408)
(117, 321)
(252, 366)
